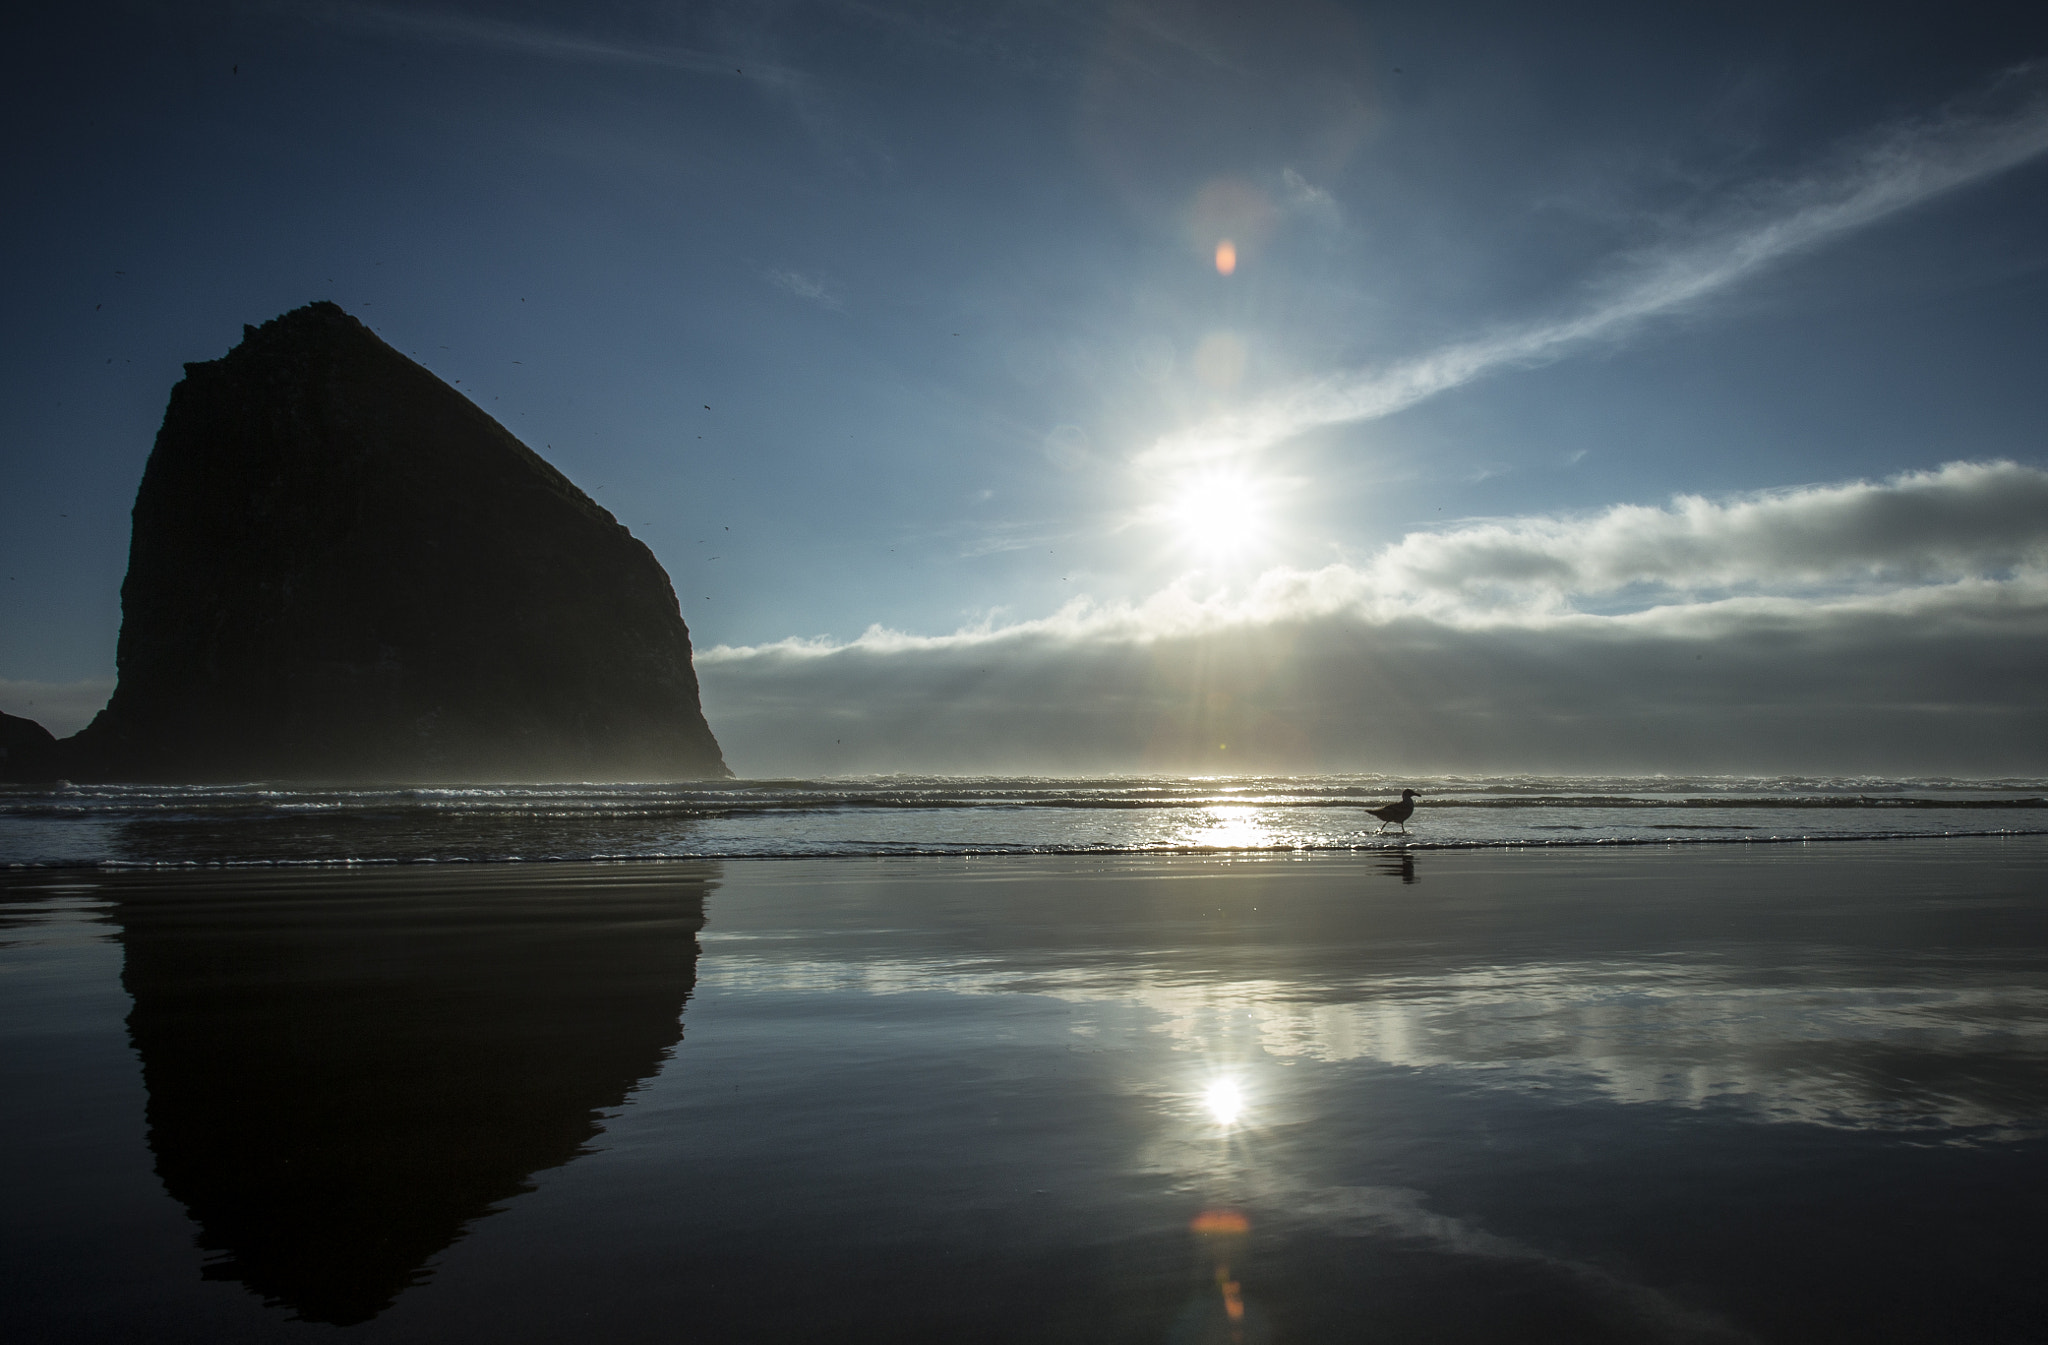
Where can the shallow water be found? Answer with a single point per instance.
(1783, 1093)
(261, 824)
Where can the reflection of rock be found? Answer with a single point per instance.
(343, 1072)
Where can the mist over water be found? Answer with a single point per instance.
(889, 815)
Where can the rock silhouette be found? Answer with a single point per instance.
(345, 1071)
(342, 569)
(27, 751)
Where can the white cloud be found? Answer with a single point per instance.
(1897, 625)
(815, 289)
(1902, 167)
(1305, 198)
(1966, 519)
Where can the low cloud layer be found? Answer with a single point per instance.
(1894, 626)
(1966, 520)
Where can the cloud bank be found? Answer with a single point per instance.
(1896, 626)
(1901, 167)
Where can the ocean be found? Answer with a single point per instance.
(917, 815)
(1005, 1060)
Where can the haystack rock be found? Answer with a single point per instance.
(342, 569)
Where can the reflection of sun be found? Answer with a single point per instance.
(1217, 514)
(1225, 1101)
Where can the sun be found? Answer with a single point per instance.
(1219, 515)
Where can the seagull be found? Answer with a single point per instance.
(1396, 812)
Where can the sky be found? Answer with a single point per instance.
(1178, 385)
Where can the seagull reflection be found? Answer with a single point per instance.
(1400, 866)
(344, 1072)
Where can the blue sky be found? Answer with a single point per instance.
(911, 317)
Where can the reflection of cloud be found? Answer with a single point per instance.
(1397, 1212)
(1908, 1058)
(1872, 626)
(1681, 1035)
(1894, 171)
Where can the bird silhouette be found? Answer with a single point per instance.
(1396, 813)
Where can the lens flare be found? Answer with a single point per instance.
(1225, 1101)
(1226, 257)
(1220, 1223)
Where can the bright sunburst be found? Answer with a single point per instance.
(1218, 515)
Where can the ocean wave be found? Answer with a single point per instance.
(262, 824)
(895, 792)
(1393, 848)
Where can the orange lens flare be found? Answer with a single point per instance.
(1220, 1221)
(1226, 257)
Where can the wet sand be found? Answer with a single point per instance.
(1687, 1094)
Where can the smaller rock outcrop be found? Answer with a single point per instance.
(28, 751)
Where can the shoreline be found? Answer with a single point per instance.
(1389, 849)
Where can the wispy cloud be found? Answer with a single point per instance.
(474, 30)
(1901, 167)
(801, 95)
(815, 289)
(994, 539)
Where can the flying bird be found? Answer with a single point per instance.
(1396, 813)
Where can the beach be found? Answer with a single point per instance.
(1633, 1093)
